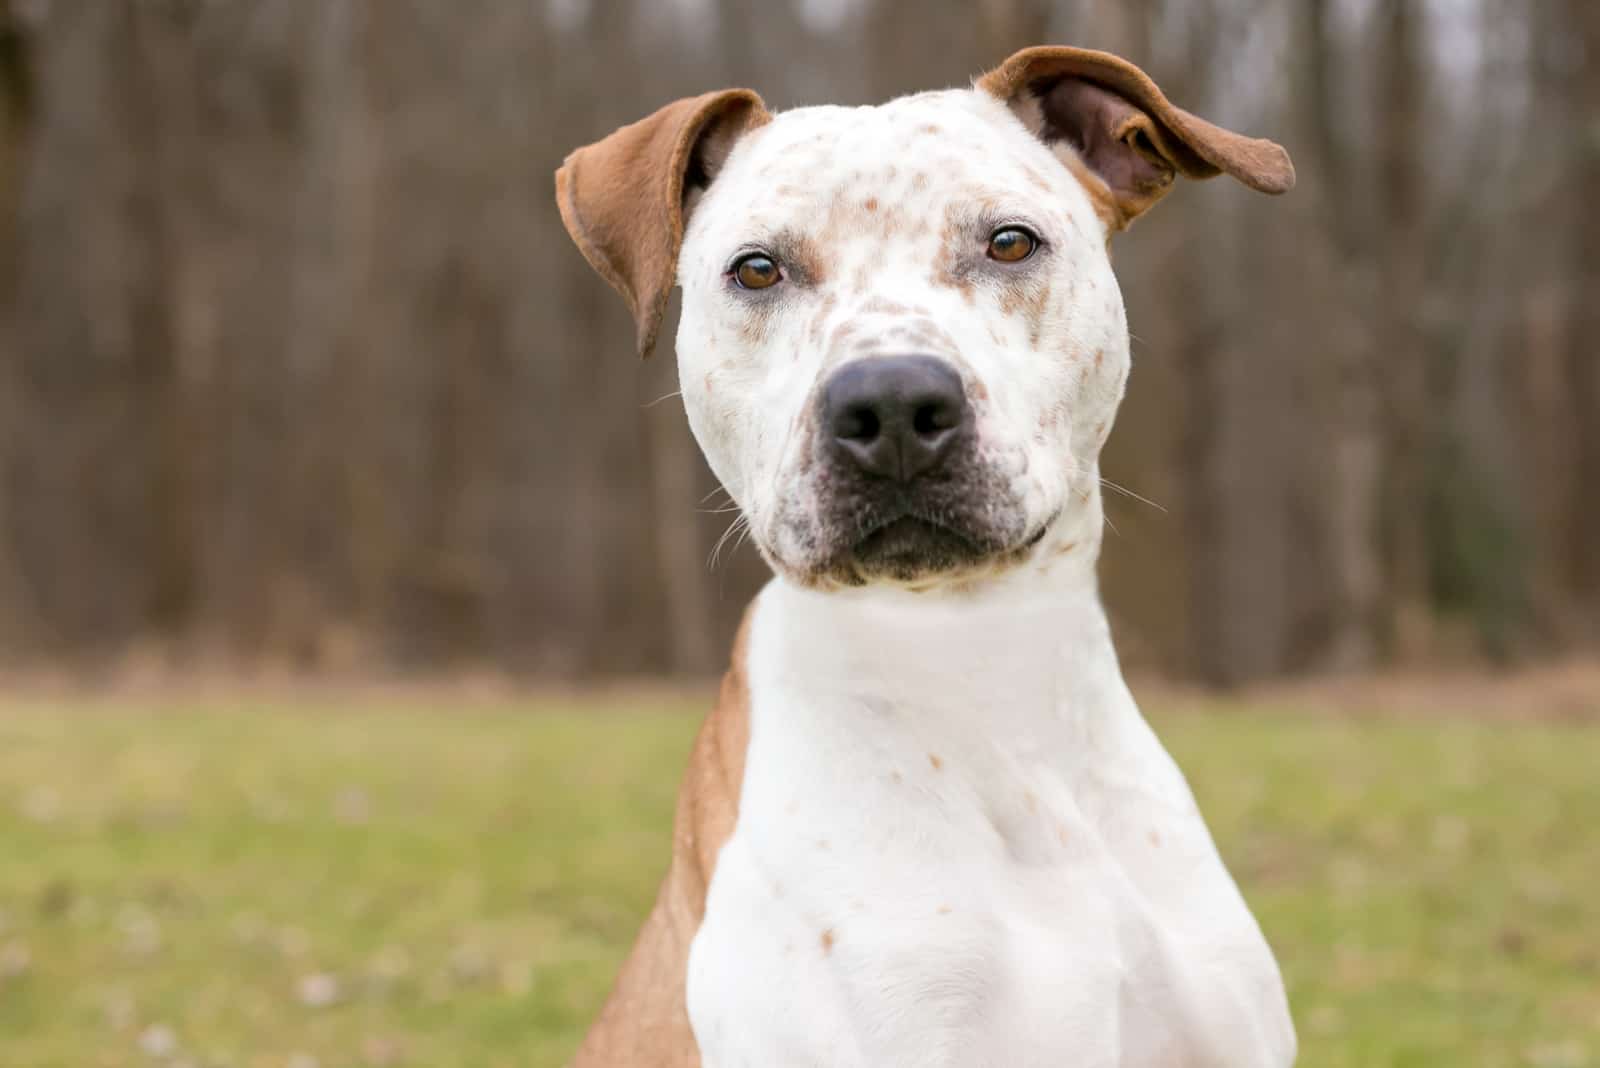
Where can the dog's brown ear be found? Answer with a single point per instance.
(1129, 137)
(624, 199)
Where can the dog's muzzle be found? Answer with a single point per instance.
(903, 493)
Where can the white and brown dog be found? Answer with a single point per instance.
(926, 824)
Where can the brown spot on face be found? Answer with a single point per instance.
(871, 204)
(884, 306)
(955, 258)
(1099, 357)
(932, 128)
(1036, 178)
(938, 764)
(827, 941)
(803, 255)
(944, 910)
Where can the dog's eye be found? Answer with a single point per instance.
(756, 271)
(1011, 244)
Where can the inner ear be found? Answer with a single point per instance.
(1119, 144)
(706, 160)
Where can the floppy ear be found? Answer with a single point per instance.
(1129, 138)
(624, 199)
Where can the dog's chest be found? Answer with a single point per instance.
(958, 844)
(871, 942)
(915, 900)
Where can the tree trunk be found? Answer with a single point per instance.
(1351, 515)
(1401, 355)
(1583, 333)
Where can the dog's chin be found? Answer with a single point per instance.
(910, 550)
(918, 553)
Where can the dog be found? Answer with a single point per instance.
(926, 824)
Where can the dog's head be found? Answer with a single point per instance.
(902, 345)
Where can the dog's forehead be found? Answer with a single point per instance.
(913, 151)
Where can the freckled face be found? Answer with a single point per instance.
(935, 225)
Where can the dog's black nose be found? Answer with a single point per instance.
(895, 416)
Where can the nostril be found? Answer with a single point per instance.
(857, 423)
(932, 418)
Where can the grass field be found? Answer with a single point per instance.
(354, 884)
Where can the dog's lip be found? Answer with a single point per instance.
(909, 520)
(1037, 536)
(979, 547)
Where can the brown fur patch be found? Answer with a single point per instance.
(885, 306)
(645, 1021)
(936, 761)
(827, 940)
(623, 198)
(955, 262)
(819, 320)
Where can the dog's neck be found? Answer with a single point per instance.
(1030, 639)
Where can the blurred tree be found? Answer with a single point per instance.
(297, 364)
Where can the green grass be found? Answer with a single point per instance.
(356, 885)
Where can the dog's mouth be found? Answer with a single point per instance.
(912, 548)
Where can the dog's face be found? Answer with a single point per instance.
(902, 344)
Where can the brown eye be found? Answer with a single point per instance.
(756, 271)
(1012, 244)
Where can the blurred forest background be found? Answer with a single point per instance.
(298, 367)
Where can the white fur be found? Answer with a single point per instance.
(958, 842)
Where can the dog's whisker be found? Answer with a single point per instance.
(663, 397)
(1126, 492)
(741, 525)
(719, 488)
